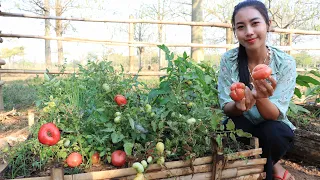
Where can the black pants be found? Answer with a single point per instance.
(275, 139)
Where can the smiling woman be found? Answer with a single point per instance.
(262, 111)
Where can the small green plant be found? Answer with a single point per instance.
(18, 95)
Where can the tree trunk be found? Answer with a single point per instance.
(197, 54)
(284, 39)
(59, 32)
(306, 147)
(229, 39)
(47, 33)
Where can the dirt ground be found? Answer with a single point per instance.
(14, 128)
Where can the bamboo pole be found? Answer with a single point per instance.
(149, 44)
(23, 71)
(290, 42)
(243, 154)
(119, 43)
(57, 174)
(259, 176)
(212, 24)
(207, 176)
(202, 176)
(176, 172)
(131, 49)
(235, 172)
(30, 118)
(245, 163)
(254, 141)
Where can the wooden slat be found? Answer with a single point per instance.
(242, 154)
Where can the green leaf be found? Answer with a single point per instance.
(297, 108)
(219, 140)
(302, 83)
(102, 153)
(155, 92)
(207, 79)
(154, 126)
(185, 56)
(131, 121)
(164, 101)
(161, 125)
(116, 137)
(62, 154)
(230, 125)
(316, 73)
(100, 109)
(297, 92)
(128, 148)
(308, 79)
(46, 77)
(233, 137)
(241, 133)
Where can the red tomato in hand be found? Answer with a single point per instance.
(120, 100)
(261, 71)
(74, 159)
(95, 158)
(118, 158)
(237, 91)
(49, 134)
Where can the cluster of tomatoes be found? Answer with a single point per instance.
(49, 134)
(237, 89)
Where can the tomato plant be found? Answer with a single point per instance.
(261, 71)
(101, 110)
(118, 158)
(49, 134)
(237, 91)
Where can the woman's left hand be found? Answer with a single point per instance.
(263, 89)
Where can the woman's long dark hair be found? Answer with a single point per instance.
(242, 54)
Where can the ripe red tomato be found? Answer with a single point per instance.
(74, 159)
(261, 71)
(118, 158)
(120, 100)
(237, 91)
(95, 158)
(49, 134)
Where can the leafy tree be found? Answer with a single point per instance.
(303, 59)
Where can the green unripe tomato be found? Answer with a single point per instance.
(160, 161)
(66, 143)
(148, 108)
(191, 121)
(106, 87)
(190, 104)
(160, 147)
(138, 167)
(117, 114)
(117, 119)
(144, 163)
(149, 160)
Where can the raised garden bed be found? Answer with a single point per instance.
(240, 165)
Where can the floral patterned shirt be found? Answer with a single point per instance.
(283, 71)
